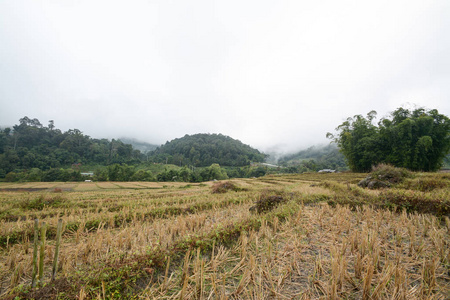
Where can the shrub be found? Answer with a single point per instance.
(427, 184)
(40, 202)
(268, 201)
(223, 187)
(383, 176)
(415, 201)
(11, 177)
(389, 173)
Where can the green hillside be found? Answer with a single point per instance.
(31, 145)
(201, 150)
(315, 158)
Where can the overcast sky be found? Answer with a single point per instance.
(269, 73)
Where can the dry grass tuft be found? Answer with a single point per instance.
(384, 175)
(268, 200)
(223, 187)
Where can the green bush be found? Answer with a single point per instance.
(414, 201)
(11, 177)
(427, 184)
(41, 202)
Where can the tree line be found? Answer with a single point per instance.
(31, 145)
(31, 151)
(125, 172)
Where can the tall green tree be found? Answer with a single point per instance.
(357, 139)
(417, 140)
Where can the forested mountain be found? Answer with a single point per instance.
(30, 151)
(314, 159)
(32, 145)
(202, 150)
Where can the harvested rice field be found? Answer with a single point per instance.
(304, 236)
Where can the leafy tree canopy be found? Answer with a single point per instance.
(31, 145)
(201, 150)
(417, 140)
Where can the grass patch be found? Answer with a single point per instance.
(223, 187)
(384, 176)
(413, 201)
(41, 202)
(427, 183)
(268, 200)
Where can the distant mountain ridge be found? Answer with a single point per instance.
(315, 158)
(204, 149)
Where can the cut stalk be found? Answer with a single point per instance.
(58, 242)
(42, 252)
(35, 252)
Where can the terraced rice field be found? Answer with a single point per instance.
(325, 239)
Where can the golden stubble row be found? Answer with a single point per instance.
(322, 253)
(107, 205)
(83, 248)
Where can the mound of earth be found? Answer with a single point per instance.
(384, 176)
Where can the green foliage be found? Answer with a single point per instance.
(101, 174)
(61, 175)
(35, 174)
(118, 172)
(12, 177)
(143, 175)
(32, 152)
(390, 173)
(447, 162)
(31, 145)
(213, 172)
(257, 172)
(428, 183)
(313, 159)
(416, 140)
(41, 202)
(383, 176)
(414, 201)
(201, 150)
(168, 175)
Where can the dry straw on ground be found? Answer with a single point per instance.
(173, 242)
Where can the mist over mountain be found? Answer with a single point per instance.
(315, 158)
(144, 147)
